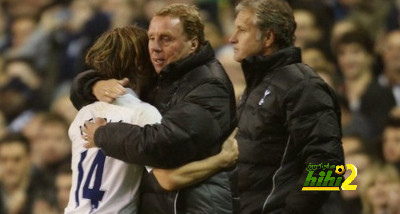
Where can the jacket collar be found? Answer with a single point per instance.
(258, 66)
(180, 67)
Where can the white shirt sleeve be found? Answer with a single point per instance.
(150, 115)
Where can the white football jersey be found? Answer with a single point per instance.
(103, 184)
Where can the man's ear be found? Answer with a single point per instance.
(269, 39)
(194, 44)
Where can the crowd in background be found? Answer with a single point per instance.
(354, 45)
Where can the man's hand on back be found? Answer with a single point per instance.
(109, 90)
(89, 129)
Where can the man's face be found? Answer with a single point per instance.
(306, 31)
(377, 193)
(391, 56)
(391, 144)
(167, 41)
(353, 60)
(15, 163)
(53, 142)
(244, 39)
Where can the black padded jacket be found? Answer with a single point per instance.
(288, 118)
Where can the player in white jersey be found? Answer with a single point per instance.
(103, 184)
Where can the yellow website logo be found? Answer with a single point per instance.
(325, 181)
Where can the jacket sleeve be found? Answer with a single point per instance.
(313, 120)
(190, 130)
(81, 88)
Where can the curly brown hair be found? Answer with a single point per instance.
(122, 52)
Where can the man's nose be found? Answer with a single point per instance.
(155, 46)
(233, 39)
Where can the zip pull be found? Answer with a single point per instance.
(266, 93)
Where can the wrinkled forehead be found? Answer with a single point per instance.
(165, 23)
(245, 18)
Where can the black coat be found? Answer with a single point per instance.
(288, 118)
(196, 100)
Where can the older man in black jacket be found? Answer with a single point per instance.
(196, 99)
(288, 116)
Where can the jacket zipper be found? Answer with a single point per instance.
(175, 201)
(275, 174)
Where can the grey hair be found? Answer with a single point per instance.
(273, 15)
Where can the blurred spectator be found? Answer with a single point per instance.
(54, 147)
(390, 76)
(42, 206)
(53, 141)
(352, 199)
(15, 103)
(32, 127)
(315, 57)
(63, 106)
(307, 31)
(23, 69)
(63, 186)
(15, 178)
(371, 15)
(354, 123)
(375, 188)
(21, 28)
(391, 142)
(84, 25)
(123, 12)
(321, 8)
(38, 44)
(354, 52)
(340, 28)
(31, 131)
(394, 199)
